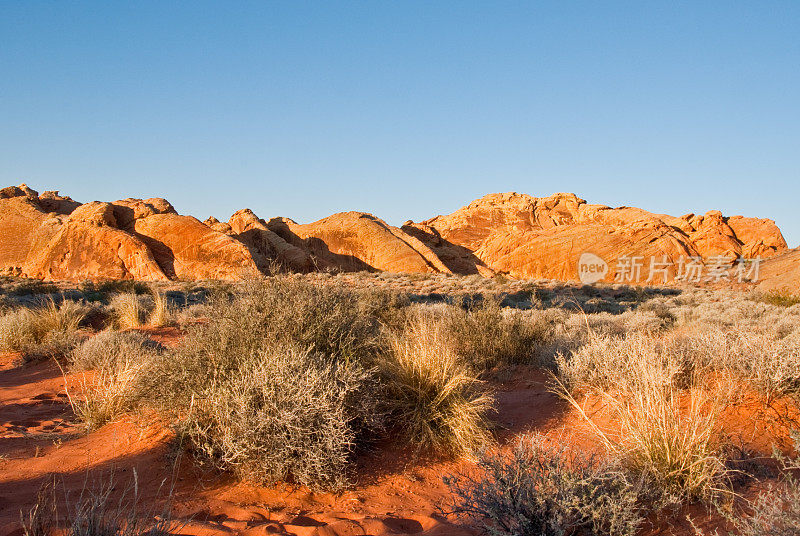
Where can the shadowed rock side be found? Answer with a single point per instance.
(266, 246)
(50, 236)
(544, 237)
(359, 241)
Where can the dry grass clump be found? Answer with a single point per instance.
(435, 399)
(160, 313)
(282, 414)
(118, 361)
(97, 513)
(546, 490)
(665, 415)
(487, 334)
(131, 310)
(48, 330)
(128, 311)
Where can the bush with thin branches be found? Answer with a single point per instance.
(98, 512)
(113, 387)
(276, 385)
(282, 413)
(487, 334)
(542, 489)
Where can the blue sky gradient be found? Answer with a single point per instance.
(405, 109)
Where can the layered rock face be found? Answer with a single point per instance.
(52, 237)
(49, 236)
(544, 237)
(781, 273)
(355, 241)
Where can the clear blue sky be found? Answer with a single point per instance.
(405, 109)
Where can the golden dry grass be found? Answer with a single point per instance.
(664, 413)
(435, 398)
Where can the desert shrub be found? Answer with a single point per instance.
(276, 385)
(389, 307)
(665, 412)
(108, 348)
(114, 387)
(325, 319)
(546, 490)
(281, 413)
(776, 511)
(487, 334)
(434, 398)
(43, 331)
(758, 357)
(781, 298)
(102, 291)
(28, 287)
(190, 314)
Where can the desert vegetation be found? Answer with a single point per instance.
(296, 378)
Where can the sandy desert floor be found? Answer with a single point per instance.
(393, 490)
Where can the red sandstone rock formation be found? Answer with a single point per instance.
(359, 241)
(54, 237)
(781, 273)
(544, 237)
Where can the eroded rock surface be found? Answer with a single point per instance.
(51, 236)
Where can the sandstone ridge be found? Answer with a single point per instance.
(54, 237)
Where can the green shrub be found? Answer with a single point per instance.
(546, 490)
(781, 298)
(28, 287)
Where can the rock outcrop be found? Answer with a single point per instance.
(353, 241)
(544, 237)
(50, 236)
(781, 273)
(54, 237)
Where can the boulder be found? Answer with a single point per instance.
(185, 248)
